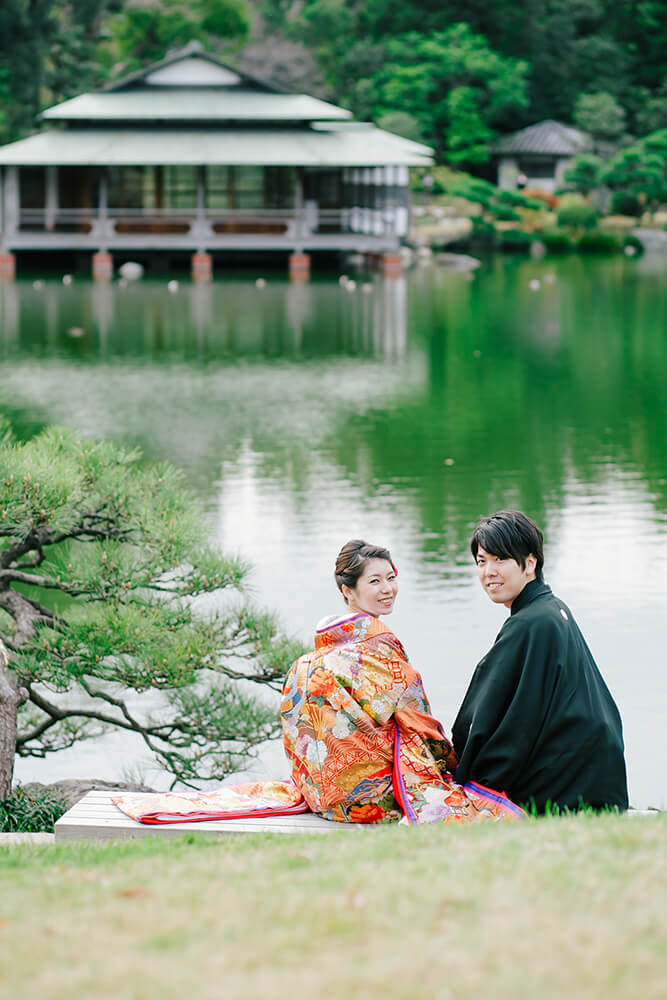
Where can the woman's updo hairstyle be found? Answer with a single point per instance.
(352, 560)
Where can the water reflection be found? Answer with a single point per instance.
(399, 411)
(206, 323)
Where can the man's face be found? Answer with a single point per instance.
(503, 579)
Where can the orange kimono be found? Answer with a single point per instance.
(359, 734)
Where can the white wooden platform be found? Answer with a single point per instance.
(95, 817)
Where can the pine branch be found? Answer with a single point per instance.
(8, 642)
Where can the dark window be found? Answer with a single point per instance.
(543, 166)
(32, 187)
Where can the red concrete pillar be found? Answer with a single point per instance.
(102, 266)
(202, 267)
(299, 267)
(391, 265)
(7, 266)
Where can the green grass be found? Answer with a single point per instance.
(572, 907)
(29, 810)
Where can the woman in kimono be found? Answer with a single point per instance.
(357, 725)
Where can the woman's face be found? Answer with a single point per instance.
(376, 589)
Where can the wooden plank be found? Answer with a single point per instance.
(95, 817)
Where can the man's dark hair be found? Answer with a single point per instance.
(509, 534)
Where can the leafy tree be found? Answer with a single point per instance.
(641, 170)
(103, 604)
(649, 110)
(575, 214)
(47, 51)
(454, 86)
(403, 124)
(143, 32)
(625, 203)
(601, 115)
(584, 174)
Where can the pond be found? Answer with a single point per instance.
(399, 411)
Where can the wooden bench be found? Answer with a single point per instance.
(95, 817)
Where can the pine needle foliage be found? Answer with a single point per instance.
(104, 571)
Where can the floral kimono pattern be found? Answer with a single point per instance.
(252, 799)
(359, 734)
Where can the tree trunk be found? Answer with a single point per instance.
(11, 696)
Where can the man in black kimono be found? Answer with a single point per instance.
(538, 721)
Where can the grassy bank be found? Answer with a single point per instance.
(548, 908)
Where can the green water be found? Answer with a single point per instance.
(399, 411)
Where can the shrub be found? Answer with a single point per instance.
(542, 197)
(31, 811)
(576, 213)
(557, 241)
(633, 241)
(625, 203)
(483, 233)
(518, 199)
(515, 240)
(505, 214)
(598, 242)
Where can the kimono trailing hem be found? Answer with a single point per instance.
(361, 739)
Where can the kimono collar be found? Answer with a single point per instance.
(532, 590)
(341, 629)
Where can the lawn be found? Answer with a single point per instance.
(571, 907)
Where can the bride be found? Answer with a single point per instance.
(357, 725)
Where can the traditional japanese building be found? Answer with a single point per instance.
(538, 156)
(193, 155)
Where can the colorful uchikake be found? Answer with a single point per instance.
(363, 745)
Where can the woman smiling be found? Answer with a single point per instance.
(357, 725)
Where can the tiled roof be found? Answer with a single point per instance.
(341, 144)
(550, 138)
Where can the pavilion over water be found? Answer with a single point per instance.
(192, 155)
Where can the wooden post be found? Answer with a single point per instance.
(391, 265)
(102, 266)
(299, 267)
(51, 200)
(7, 266)
(298, 202)
(11, 201)
(202, 267)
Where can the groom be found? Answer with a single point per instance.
(538, 721)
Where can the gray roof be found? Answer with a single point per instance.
(192, 86)
(193, 50)
(192, 109)
(547, 138)
(338, 144)
(183, 104)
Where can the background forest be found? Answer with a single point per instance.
(451, 74)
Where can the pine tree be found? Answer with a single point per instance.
(110, 598)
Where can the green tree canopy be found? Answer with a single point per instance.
(453, 85)
(144, 30)
(584, 174)
(103, 598)
(599, 114)
(641, 170)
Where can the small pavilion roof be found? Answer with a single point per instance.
(547, 138)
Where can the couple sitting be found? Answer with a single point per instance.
(537, 727)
